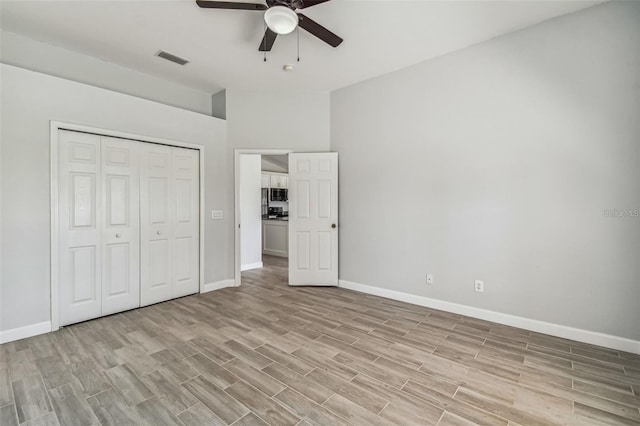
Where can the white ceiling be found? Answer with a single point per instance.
(222, 45)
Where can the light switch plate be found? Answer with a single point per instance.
(217, 214)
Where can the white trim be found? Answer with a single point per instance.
(236, 178)
(202, 218)
(249, 266)
(24, 332)
(54, 127)
(218, 285)
(586, 336)
(123, 135)
(276, 253)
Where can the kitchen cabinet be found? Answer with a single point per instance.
(275, 180)
(266, 178)
(275, 237)
(279, 180)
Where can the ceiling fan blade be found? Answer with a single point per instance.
(209, 4)
(318, 30)
(309, 3)
(267, 41)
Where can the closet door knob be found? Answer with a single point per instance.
(159, 233)
(118, 235)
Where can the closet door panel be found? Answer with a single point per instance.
(156, 224)
(186, 176)
(79, 218)
(121, 226)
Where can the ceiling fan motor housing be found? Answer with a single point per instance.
(291, 4)
(281, 19)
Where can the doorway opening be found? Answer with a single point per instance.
(311, 189)
(262, 207)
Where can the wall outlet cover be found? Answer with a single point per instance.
(479, 286)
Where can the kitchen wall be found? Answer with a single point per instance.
(251, 212)
(53, 60)
(283, 204)
(29, 101)
(498, 163)
(270, 166)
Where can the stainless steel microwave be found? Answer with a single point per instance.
(278, 194)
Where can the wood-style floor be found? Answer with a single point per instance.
(266, 353)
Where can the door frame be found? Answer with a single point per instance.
(54, 128)
(236, 185)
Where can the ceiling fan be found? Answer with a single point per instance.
(281, 17)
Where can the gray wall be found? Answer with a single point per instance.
(29, 101)
(278, 119)
(42, 57)
(219, 104)
(496, 163)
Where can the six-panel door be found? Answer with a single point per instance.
(313, 218)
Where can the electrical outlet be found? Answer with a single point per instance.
(479, 286)
(217, 214)
(429, 278)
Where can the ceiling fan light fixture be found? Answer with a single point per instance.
(281, 19)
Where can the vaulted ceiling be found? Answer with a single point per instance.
(222, 45)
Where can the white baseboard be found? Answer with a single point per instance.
(591, 337)
(218, 285)
(249, 266)
(24, 332)
(276, 253)
(7, 336)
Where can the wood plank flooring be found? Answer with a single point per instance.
(266, 353)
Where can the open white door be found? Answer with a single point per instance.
(313, 219)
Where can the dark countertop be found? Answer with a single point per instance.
(280, 219)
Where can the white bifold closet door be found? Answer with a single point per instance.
(170, 236)
(128, 223)
(98, 225)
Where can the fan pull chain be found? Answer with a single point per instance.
(264, 40)
(298, 34)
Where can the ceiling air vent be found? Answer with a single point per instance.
(173, 58)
